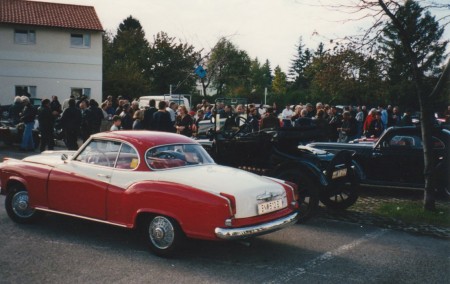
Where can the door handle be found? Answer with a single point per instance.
(103, 175)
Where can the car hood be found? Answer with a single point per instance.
(244, 186)
(50, 158)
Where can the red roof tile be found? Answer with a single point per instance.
(49, 15)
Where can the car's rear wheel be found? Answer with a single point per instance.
(18, 207)
(308, 192)
(163, 235)
(339, 195)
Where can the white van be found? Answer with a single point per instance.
(178, 98)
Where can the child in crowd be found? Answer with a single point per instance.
(117, 122)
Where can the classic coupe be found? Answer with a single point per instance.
(164, 184)
(396, 158)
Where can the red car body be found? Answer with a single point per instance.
(128, 178)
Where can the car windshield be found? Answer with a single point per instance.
(177, 155)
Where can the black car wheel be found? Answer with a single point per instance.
(307, 191)
(163, 235)
(18, 207)
(339, 195)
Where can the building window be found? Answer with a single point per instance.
(78, 92)
(80, 40)
(24, 36)
(26, 90)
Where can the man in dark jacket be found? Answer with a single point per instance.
(97, 116)
(161, 119)
(46, 125)
(70, 123)
(87, 120)
(148, 114)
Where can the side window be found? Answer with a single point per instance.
(128, 158)
(99, 152)
(401, 141)
(406, 141)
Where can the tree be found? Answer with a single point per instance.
(424, 36)
(302, 59)
(125, 57)
(228, 70)
(171, 63)
(413, 25)
(279, 83)
(261, 78)
(406, 29)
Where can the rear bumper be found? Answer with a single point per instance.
(252, 231)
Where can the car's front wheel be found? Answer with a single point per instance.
(18, 207)
(163, 235)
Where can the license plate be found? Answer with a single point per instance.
(339, 173)
(270, 206)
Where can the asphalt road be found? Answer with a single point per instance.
(61, 249)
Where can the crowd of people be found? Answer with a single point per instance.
(82, 117)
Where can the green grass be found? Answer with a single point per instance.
(413, 212)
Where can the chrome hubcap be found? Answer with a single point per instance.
(161, 232)
(20, 205)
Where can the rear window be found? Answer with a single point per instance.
(176, 156)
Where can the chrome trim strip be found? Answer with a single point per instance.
(252, 231)
(80, 217)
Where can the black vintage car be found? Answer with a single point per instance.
(330, 178)
(396, 158)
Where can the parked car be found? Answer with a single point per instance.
(330, 178)
(162, 183)
(12, 134)
(396, 158)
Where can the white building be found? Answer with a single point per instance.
(49, 49)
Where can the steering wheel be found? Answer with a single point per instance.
(246, 126)
(99, 158)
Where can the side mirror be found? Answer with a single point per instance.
(64, 157)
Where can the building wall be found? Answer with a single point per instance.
(51, 64)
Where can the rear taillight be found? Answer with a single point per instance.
(232, 201)
(294, 188)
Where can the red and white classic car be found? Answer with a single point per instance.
(165, 184)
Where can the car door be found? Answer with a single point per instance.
(79, 186)
(399, 159)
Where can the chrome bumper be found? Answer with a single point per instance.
(253, 231)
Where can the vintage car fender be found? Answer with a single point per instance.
(306, 167)
(13, 172)
(195, 210)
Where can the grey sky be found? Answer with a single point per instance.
(267, 29)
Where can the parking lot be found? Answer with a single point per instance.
(327, 249)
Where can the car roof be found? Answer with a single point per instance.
(144, 137)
